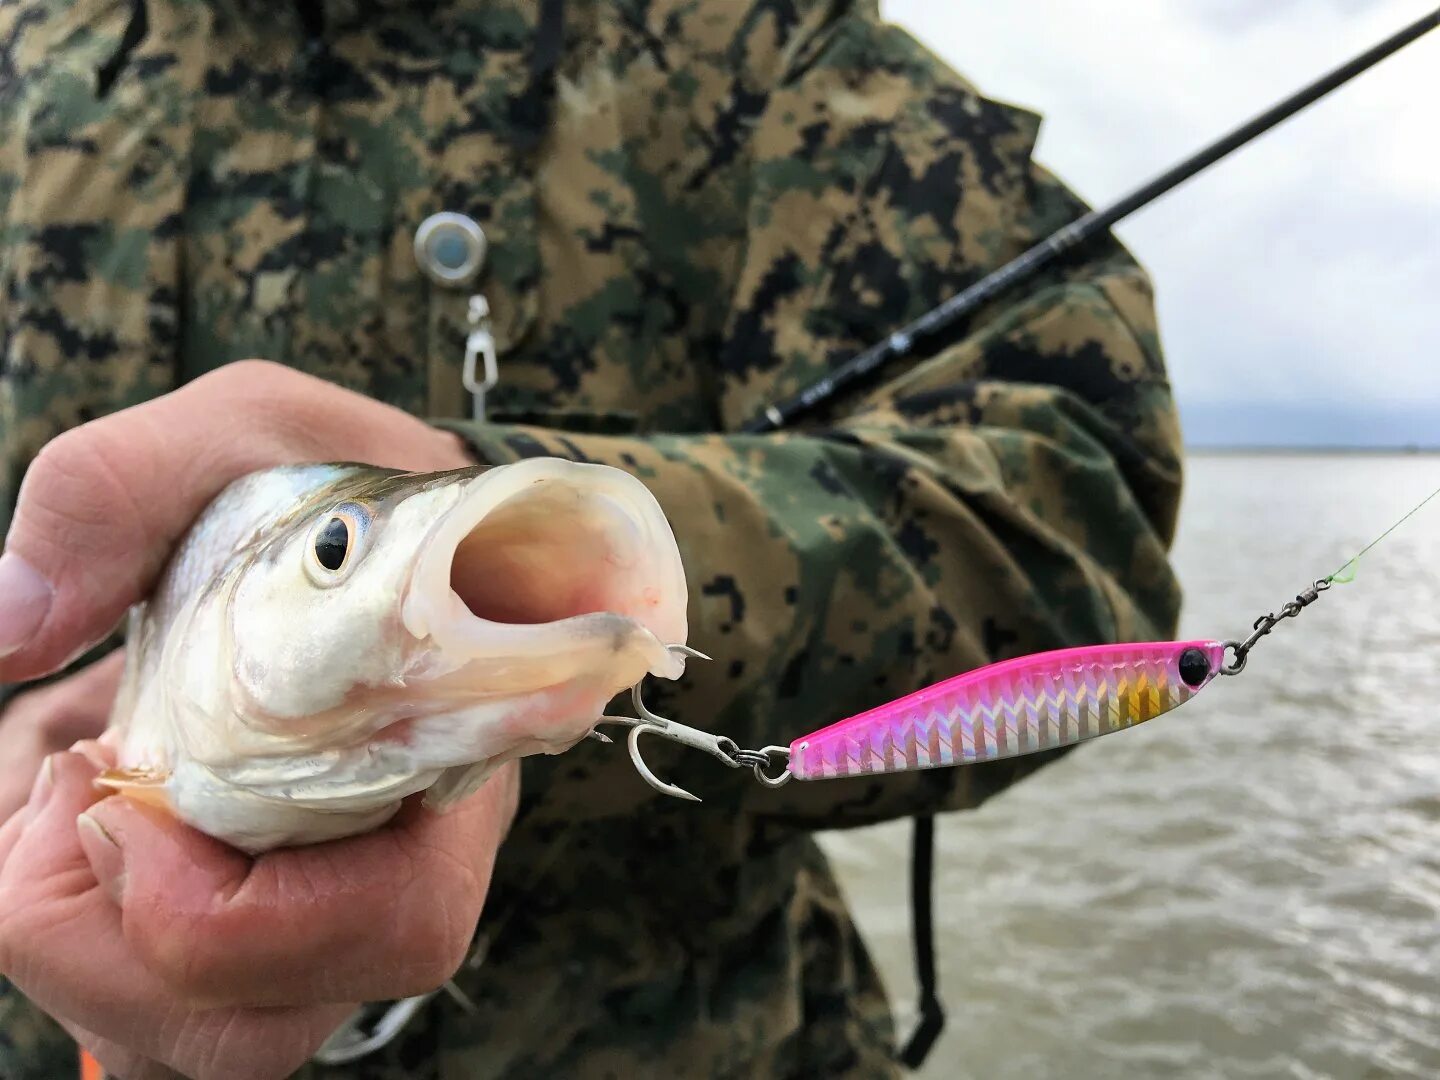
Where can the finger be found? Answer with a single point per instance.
(301, 925)
(14, 828)
(47, 720)
(64, 788)
(11, 831)
(73, 709)
(62, 944)
(227, 1059)
(102, 506)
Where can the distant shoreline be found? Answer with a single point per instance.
(1418, 451)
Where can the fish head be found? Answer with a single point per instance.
(379, 632)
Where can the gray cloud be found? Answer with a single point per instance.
(1228, 16)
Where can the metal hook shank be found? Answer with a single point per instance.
(719, 746)
(650, 723)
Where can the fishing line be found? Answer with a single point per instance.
(1343, 576)
(1337, 578)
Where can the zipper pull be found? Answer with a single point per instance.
(480, 354)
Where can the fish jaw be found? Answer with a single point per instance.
(256, 821)
(243, 819)
(477, 589)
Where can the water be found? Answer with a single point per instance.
(1249, 887)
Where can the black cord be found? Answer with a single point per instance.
(531, 110)
(135, 31)
(922, 900)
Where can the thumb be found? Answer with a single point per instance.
(99, 510)
(164, 875)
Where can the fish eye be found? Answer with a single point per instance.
(334, 543)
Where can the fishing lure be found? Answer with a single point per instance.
(1003, 710)
(1022, 706)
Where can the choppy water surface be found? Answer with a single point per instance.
(1248, 887)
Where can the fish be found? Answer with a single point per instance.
(329, 640)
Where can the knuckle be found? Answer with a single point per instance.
(250, 374)
(73, 491)
(66, 724)
(65, 466)
(178, 966)
(267, 399)
(183, 954)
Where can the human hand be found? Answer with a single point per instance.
(155, 945)
(50, 719)
(160, 949)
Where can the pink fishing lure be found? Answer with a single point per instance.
(1011, 708)
(1004, 710)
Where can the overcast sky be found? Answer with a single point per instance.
(1299, 280)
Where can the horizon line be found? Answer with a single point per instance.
(1312, 448)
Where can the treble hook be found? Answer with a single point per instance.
(650, 723)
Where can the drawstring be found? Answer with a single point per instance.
(922, 905)
(315, 54)
(530, 111)
(312, 20)
(135, 31)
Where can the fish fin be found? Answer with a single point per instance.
(143, 785)
(458, 783)
(128, 690)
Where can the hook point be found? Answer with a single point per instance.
(644, 770)
(686, 650)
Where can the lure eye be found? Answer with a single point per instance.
(335, 543)
(1194, 666)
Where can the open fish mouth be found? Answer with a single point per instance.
(547, 562)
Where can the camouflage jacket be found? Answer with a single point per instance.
(693, 208)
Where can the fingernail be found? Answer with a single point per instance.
(44, 785)
(24, 601)
(107, 860)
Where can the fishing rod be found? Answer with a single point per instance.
(903, 342)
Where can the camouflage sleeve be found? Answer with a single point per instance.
(1016, 491)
